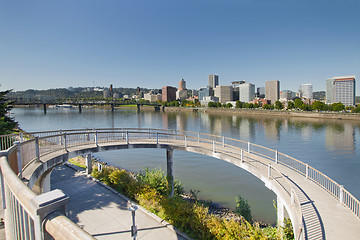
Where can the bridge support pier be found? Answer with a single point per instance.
(170, 177)
(138, 108)
(88, 164)
(112, 107)
(44, 108)
(280, 212)
(80, 110)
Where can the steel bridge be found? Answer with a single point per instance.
(318, 207)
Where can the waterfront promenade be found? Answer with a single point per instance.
(103, 213)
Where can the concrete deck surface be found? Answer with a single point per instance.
(103, 213)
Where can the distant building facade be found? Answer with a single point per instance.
(306, 91)
(341, 89)
(286, 95)
(320, 95)
(152, 97)
(224, 93)
(203, 92)
(246, 92)
(182, 84)
(213, 81)
(168, 94)
(272, 91)
(260, 92)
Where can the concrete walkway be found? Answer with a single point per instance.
(103, 213)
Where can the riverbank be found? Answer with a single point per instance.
(263, 112)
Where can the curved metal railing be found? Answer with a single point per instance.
(33, 146)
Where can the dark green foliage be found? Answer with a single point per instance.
(298, 103)
(7, 124)
(238, 104)
(290, 105)
(337, 107)
(229, 105)
(243, 208)
(317, 105)
(267, 106)
(278, 105)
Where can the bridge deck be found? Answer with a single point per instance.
(101, 212)
(324, 217)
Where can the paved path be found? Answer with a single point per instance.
(103, 213)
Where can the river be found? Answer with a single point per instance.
(331, 146)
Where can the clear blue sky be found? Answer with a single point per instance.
(54, 44)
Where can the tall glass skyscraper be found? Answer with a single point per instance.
(213, 81)
(341, 89)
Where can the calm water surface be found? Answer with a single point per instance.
(331, 146)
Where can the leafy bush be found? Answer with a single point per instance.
(149, 190)
(156, 179)
(243, 208)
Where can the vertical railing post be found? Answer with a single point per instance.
(248, 147)
(242, 156)
(37, 149)
(223, 141)
(65, 142)
(276, 157)
(213, 146)
(96, 137)
(127, 137)
(185, 140)
(198, 136)
(307, 171)
(21, 136)
(149, 133)
(19, 160)
(269, 170)
(61, 137)
(341, 194)
(157, 138)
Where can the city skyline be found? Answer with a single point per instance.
(153, 44)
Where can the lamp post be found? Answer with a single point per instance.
(133, 208)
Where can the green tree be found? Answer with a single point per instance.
(243, 208)
(218, 104)
(337, 107)
(305, 107)
(290, 105)
(298, 103)
(317, 105)
(238, 104)
(229, 105)
(278, 105)
(7, 124)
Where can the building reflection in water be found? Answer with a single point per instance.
(340, 137)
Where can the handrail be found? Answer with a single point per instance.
(52, 141)
(62, 228)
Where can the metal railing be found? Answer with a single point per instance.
(28, 214)
(35, 145)
(119, 134)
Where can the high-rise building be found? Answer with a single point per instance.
(306, 91)
(213, 81)
(341, 89)
(204, 92)
(224, 93)
(182, 84)
(286, 95)
(260, 92)
(246, 92)
(168, 94)
(272, 91)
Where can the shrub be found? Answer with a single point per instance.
(243, 208)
